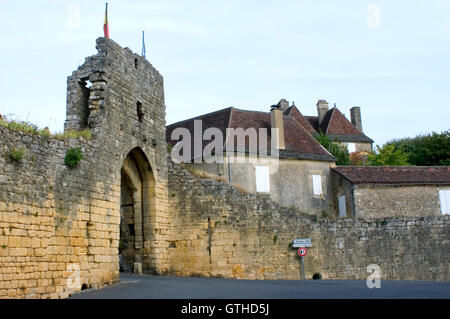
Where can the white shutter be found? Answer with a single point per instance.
(317, 184)
(262, 179)
(444, 198)
(342, 206)
(351, 147)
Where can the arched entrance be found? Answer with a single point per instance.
(137, 200)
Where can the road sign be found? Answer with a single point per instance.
(302, 251)
(304, 242)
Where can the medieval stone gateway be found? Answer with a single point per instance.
(64, 228)
(137, 211)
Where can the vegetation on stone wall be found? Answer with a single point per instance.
(197, 173)
(17, 154)
(73, 156)
(337, 150)
(29, 128)
(86, 134)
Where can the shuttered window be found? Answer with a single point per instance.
(262, 179)
(351, 147)
(342, 206)
(444, 198)
(317, 184)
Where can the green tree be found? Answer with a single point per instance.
(337, 150)
(387, 156)
(426, 150)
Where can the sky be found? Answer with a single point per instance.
(390, 57)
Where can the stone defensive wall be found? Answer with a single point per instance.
(60, 226)
(54, 221)
(219, 231)
(57, 223)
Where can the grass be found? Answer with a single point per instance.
(203, 175)
(29, 128)
(86, 134)
(275, 239)
(17, 154)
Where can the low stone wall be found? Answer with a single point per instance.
(217, 231)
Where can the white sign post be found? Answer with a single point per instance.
(297, 243)
(301, 244)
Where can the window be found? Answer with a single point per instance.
(342, 206)
(84, 91)
(317, 184)
(444, 198)
(351, 147)
(139, 111)
(262, 179)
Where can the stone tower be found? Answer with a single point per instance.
(119, 97)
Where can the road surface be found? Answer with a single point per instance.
(162, 287)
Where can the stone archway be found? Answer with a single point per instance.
(137, 205)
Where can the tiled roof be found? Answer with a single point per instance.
(395, 174)
(218, 119)
(338, 127)
(349, 138)
(338, 124)
(314, 121)
(295, 113)
(298, 142)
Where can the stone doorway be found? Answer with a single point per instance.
(136, 208)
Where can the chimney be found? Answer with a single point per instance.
(355, 114)
(283, 105)
(276, 121)
(322, 109)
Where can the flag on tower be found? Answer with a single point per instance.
(143, 45)
(106, 25)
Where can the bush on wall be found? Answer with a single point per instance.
(73, 156)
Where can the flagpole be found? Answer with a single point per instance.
(106, 24)
(143, 45)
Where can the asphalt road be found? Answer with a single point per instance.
(161, 287)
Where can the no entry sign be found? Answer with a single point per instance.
(302, 251)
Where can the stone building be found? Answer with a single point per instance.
(334, 124)
(374, 192)
(299, 176)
